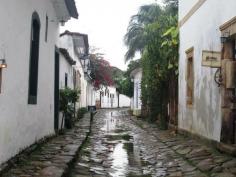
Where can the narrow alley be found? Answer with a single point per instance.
(137, 88)
(120, 145)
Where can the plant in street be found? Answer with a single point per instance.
(68, 99)
(81, 112)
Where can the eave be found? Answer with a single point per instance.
(65, 9)
(67, 56)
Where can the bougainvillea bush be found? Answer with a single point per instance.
(101, 72)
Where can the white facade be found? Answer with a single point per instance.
(107, 97)
(124, 101)
(21, 124)
(200, 23)
(136, 102)
(75, 44)
(66, 73)
(91, 95)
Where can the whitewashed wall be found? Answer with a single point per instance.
(65, 68)
(91, 95)
(125, 101)
(108, 102)
(22, 124)
(83, 94)
(202, 32)
(66, 41)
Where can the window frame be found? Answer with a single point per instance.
(190, 63)
(46, 28)
(34, 59)
(66, 80)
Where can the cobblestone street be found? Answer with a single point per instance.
(121, 146)
(52, 158)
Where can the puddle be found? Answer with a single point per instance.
(113, 151)
(110, 123)
(125, 156)
(120, 161)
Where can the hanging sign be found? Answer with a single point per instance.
(211, 59)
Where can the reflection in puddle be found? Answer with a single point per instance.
(110, 123)
(125, 155)
(120, 160)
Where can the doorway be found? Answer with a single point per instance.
(56, 91)
(228, 92)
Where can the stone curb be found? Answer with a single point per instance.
(55, 157)
(27, 151)
(71, 164)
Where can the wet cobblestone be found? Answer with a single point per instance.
(53, 158)
(121, 145)
(201, 157)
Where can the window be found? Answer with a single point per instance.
(66, 79)
(190, 77)
(34, 57)
(46, 29)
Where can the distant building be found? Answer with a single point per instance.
(78, 48)
(207, 69)
(136, 100)
(67, 71)
(108, 97)
(29, 86)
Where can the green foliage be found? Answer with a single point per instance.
(158, 33)
(133, 64)
(122, 79)
(81, 112)
(136, 37)
(68, 98)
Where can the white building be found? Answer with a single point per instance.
(29, 85)
(108, 97)
(205, 103)
(78, 48)
(67, 71)
(124, 101)
(136, 100)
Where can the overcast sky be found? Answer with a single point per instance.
(105, 22)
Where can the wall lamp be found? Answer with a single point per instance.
(3, 63)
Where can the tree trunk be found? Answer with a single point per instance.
(62, 120)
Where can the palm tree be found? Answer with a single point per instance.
(136, 37)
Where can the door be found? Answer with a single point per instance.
(56, 91)
(228, 93)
